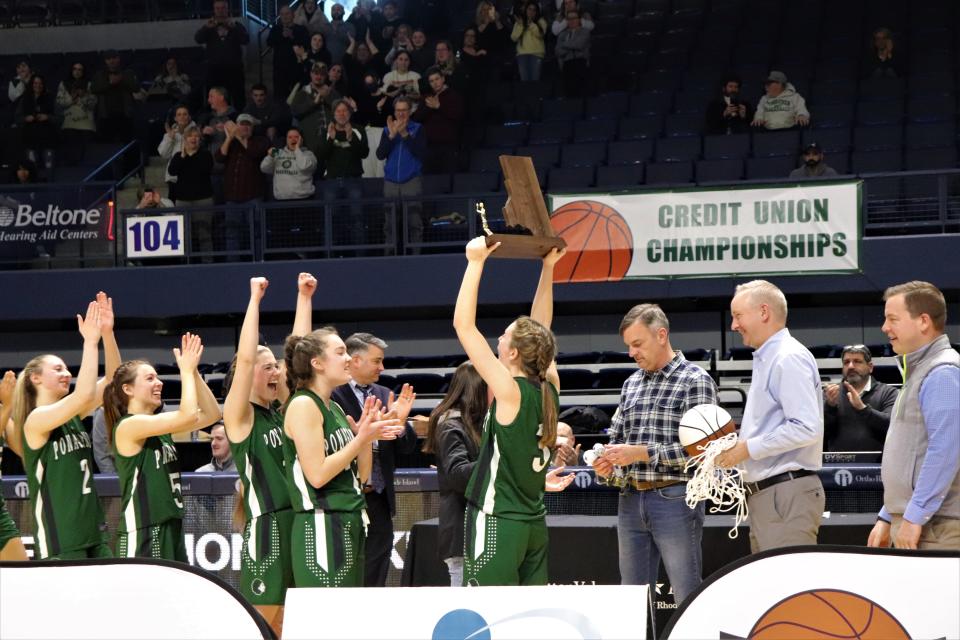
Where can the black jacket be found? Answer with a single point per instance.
(455, 461)
(846, 429)
(717, 124)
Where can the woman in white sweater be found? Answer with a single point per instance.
(172, 142)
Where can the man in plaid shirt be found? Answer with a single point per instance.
(645, 457)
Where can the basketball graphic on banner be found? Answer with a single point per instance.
(827, 613)
(599, 242)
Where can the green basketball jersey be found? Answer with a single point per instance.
(149, 482)
(259, 461)
(66, 512)
(509, 475)
(343, 492)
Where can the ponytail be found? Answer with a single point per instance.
(24, 393)
(115, 400)
(299, 351)
(537, 349)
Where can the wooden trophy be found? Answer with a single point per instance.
(529, 234)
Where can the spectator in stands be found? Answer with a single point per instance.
(224, 39)
(529, 32)
(337, 79)
(18, 86)
(24, 172)
(307, 16)
(567, 452)
(781, 107)
(313, 106)
(573, 54)
(292, 168)
(474, 60)
(881, 61)
(814, 165)
(172, 141)
(371, 114)
(102, 451)
(492, 34)
(150, 198)
(222, 461)
(241, 154)
(401, 81)
(444, 58)
(402, 147)
(560, 20)
(856, 412)
(192, 167)
(342, 152)
(728, 113)
(117, 91)
(921, 455)
(441, 114)
(362, 58)
(285, 38)
(362, 18)
(37, 120)
(273, 116)
(453, 437)
(653, 521)
(337, 32)
(421, 55)
(77, 106)
(781, 433)
(401, 42)
(384, 25)
(366, 363)
(171, 82)
(317, 52)
(216, 117)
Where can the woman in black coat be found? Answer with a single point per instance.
(453, 436)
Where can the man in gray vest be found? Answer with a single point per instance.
(921, 455)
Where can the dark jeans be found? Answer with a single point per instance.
(353, 229)
(379, 545)
(236, 226)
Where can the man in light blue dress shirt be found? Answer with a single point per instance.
(781, 433)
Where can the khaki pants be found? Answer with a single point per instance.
(938, 533)
(787, 514)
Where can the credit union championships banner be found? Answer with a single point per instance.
(701, 233)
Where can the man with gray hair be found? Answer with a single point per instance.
(366, 363)
(646, 460)
(781, 433)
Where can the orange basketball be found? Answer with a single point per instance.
(599, 242)
(827, 613)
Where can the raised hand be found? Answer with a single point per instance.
(105, 304)
(400, 407)
(556, 482)
(306, 284)
(89, 325)
(7, 385)
(554, 256)
(188, 355)
(478, 251)
(258, 287)
(332, 131)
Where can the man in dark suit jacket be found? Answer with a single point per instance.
(366, 352)
(728, 113)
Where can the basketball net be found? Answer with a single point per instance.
(722, 486)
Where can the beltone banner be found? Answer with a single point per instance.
(476, 613)
(827, 592)
(701, 233)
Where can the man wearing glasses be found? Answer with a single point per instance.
(856, 412)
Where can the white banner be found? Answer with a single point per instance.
(480, 613)
(687, 233)
(828, 594)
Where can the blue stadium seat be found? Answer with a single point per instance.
(670, 172)
(876, 161)
(931, 134)
(614, 378)
(878, 138)
(930, 83)
(510, 135)
(931, 109)
(608, 105)
(550, 132)
(770, 168)
(436, 184)
(719, 170)
(595, 130)
(638, 39)
(721, 147)
(659, 80)
(474, 182)
(577, 379)
(693, 102)
(678, 149)
(680, 125)
(544, 156)
(941, 158)
(673, 59)
(880, 113)
(561, 109)
(622, 176)
(768, 144)
(570, 178)
(578, 357)
(840, 161)
(637, 128)
(830, 140)
(488, 160)
(423, 382)
(628, 152)
(650, 103)
(585, 154)
(828, 116)
(881, 89)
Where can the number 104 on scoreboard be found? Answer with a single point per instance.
(154, 236)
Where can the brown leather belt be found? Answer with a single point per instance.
(636, 485)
